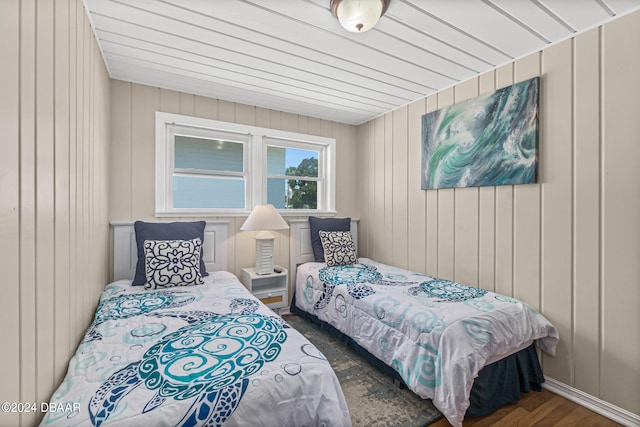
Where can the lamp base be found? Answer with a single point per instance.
(264, 253)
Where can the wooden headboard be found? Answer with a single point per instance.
(125, 255)
(300, 245)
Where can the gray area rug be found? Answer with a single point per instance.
(372, 396)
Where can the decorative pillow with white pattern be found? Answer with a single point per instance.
(339, 248)
(170, 263)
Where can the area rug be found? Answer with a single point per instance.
(372, 396)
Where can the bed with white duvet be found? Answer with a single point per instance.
(435, 335)
(204, 355)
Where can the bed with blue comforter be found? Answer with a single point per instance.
(209, 355)
(435, 334)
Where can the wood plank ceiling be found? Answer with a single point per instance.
(293, 56)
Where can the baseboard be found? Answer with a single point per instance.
(592, 403)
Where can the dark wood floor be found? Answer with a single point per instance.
(540, 410)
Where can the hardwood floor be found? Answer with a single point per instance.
(540, 410)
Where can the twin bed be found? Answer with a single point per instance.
(213, 354)
(206, 355)
(468, 350)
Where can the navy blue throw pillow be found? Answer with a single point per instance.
(165, 231)
(325, 224)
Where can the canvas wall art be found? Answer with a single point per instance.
(488, 140)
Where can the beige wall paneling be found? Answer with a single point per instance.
(386, 246)
(76, 324)
(45, 83)
(504, 213)
(431, 210)
(27, 328)
(187, 104)
(145, 102)
(416, 215)
(62, 292)
(379, 193)
(466, 212)
(487, 212)
(169, 103)
(80, 167)
(556, 177)
(206, 107)
(446, 213)
(568, 245)
(365, 192)
(586, 193)
(620, 374)
(399, 196)
(526, 216)
(120, 174)
(10, 206)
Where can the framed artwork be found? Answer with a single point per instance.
(488, 140)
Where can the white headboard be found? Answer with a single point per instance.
(300, 244)
(125, 255)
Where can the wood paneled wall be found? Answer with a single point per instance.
(54, 117)
(570, 245)
(132, 187)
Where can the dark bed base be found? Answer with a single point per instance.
(497, 384)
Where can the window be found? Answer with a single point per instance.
(206, 167)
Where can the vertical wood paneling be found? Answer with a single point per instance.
(466, 214)
(53, 112)
(145, 101)
(399, 199)
(487, 213)
(586, 238)
(120, 189)
(556, 176)
(526, 216)
(432, 212)
(27, 201)
(10, 205)
(568, 245)
(62, 291)
(387, 176)
(446, 213)
(504, 214)
(620, 226)
(416, 196)
(76, 325)
(379, 189)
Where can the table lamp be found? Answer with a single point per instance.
(264, 218)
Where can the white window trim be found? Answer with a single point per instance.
(255, 165)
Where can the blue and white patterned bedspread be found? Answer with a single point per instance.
(435, 333)
(198, 355)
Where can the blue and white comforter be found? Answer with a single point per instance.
(435, 333)
(198, 355)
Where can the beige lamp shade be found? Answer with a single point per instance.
(264, 218)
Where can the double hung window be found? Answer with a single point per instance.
(206, 167)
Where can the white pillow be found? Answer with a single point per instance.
(170, 263)
(339, 248)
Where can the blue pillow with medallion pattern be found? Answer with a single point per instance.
(170, 263)
(325, 224)
(165, 231)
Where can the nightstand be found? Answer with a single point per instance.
(271, 289)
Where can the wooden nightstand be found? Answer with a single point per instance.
(271, 289)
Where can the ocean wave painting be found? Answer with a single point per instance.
(488, 140)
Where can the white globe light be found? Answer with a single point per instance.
(359, 16)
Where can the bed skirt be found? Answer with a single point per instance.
(497, 384)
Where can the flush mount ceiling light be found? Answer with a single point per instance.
(358, 16)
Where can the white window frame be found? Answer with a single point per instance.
(256, 140)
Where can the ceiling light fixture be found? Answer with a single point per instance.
(358, 16)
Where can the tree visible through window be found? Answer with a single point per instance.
(304, 193)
